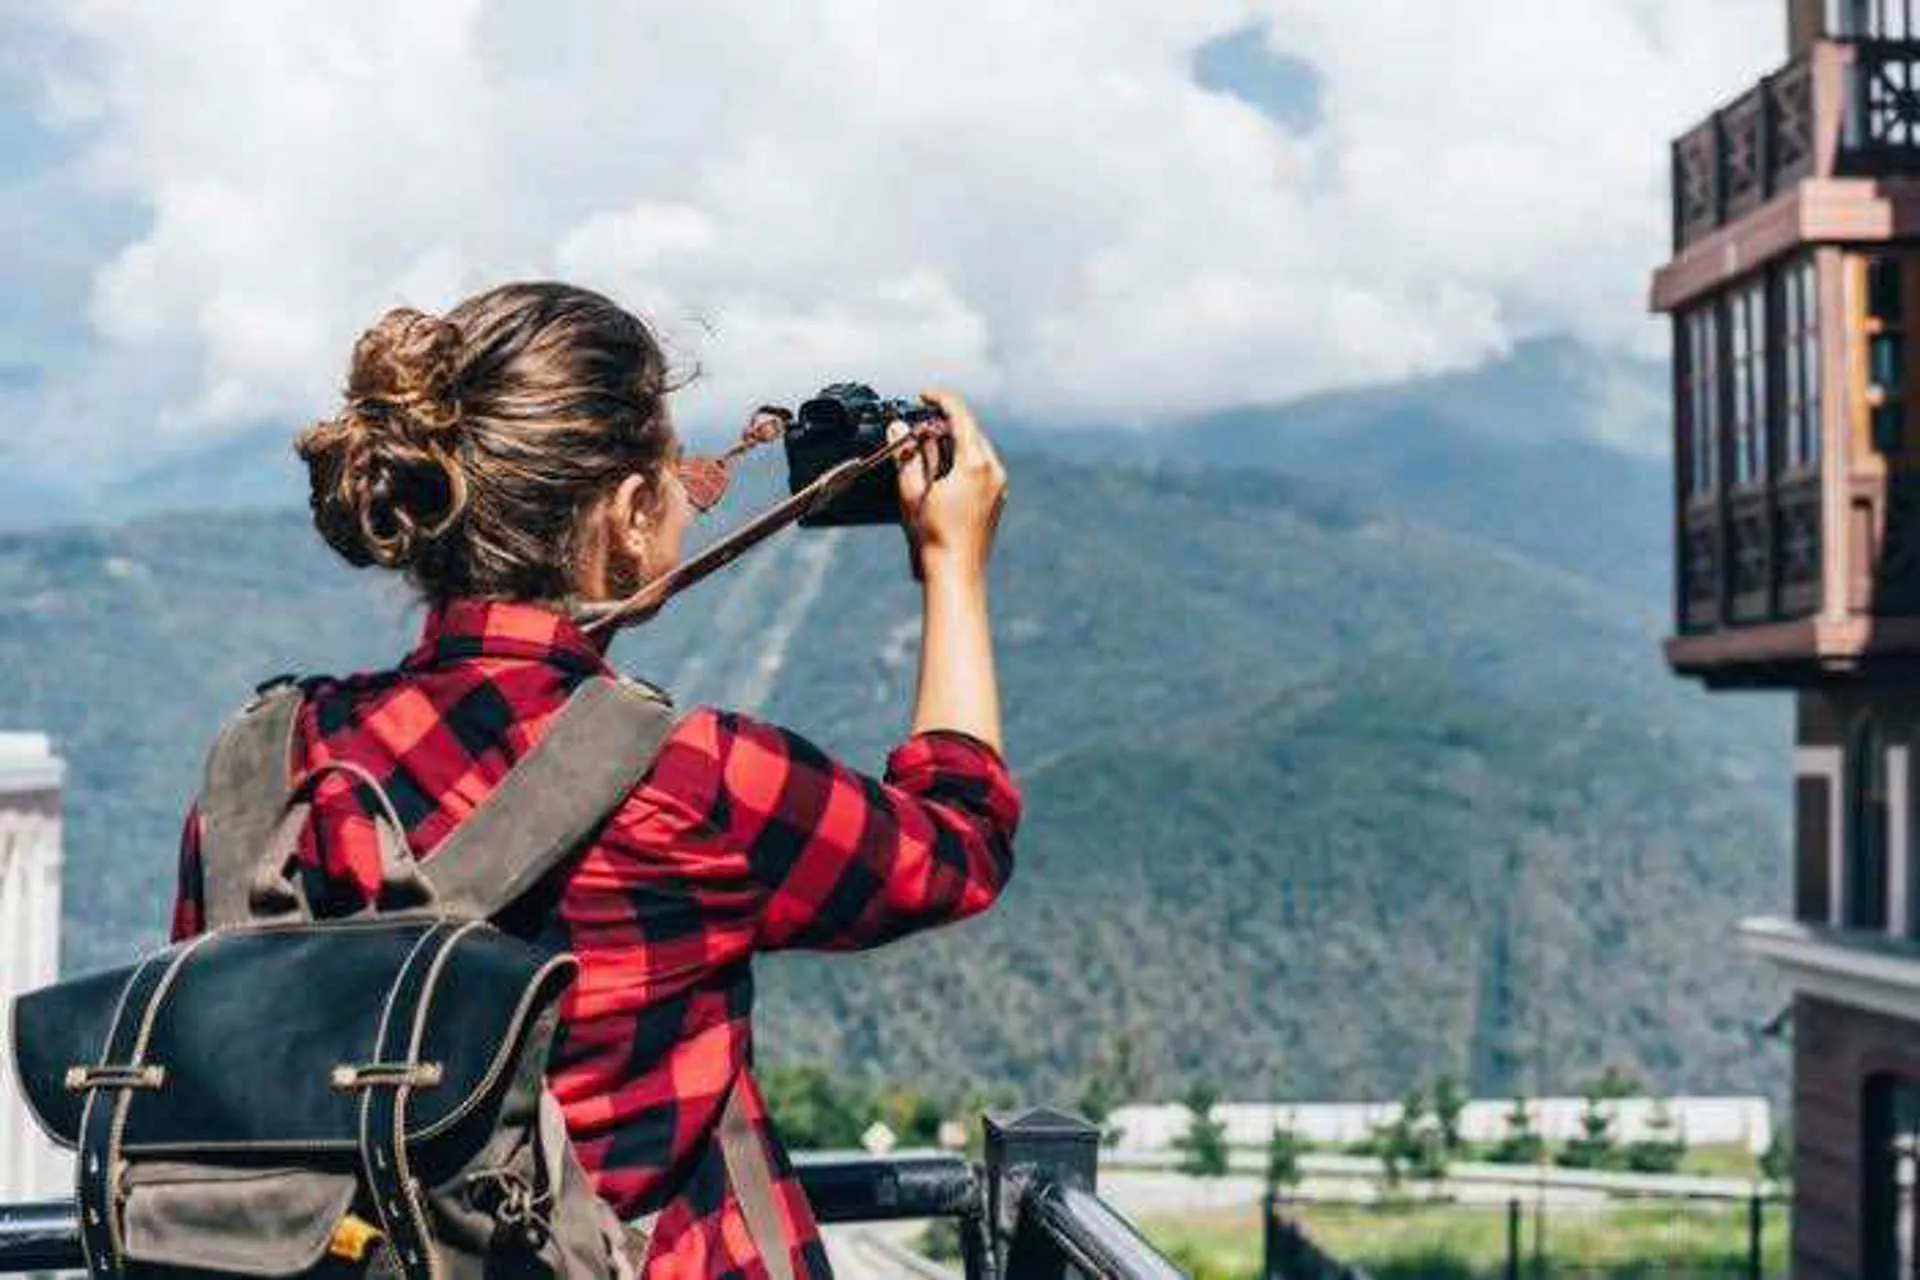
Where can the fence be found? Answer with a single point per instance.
(1028, 1212)
(1527, 1239)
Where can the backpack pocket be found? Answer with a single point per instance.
(237, 1220)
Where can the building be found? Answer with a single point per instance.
(1794, 290)
(30, 781)
(1153, 1128)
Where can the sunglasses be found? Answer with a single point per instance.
(706, 477)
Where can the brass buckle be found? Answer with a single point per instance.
(131, 1076)
(389, 1075)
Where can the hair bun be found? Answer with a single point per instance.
(405, 367)
(385, 483)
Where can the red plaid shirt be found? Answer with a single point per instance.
(742, 838)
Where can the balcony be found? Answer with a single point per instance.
(1752, 605)
(1752, 557)
(1839, 110)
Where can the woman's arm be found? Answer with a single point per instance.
(950, 524)
(844, 860)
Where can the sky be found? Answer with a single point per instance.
(1113, 212)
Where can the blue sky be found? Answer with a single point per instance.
(1114, 212)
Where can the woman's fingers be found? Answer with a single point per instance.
(913, 477)
(916, 478)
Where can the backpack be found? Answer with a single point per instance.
(286, 1096)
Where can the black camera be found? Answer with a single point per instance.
(846, 421)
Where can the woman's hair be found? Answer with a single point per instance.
(470, 445)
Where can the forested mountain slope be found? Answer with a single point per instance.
(1320, 799)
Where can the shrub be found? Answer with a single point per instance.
(1521, 1144)
(1662, 1150)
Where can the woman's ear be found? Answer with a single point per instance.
(630, 523)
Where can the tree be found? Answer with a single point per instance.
(1615, 1084)
(1594, 1148)
(1284, 1150)
(1099, 1097)
(1448, 1105)
(915, 1117)
(1776, 1162)
(1411, 1143)
(1521, 1144)
(1663, 1147)
(1205, 1143)
(810, 1110)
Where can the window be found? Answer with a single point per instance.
(1813, 848)
(1874, 19)
(1888, 1190)
(1800, 343)
(1866, 843)
(1700, 348)
(1748, 329)
(1886, 355)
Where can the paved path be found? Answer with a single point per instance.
(882, 1251)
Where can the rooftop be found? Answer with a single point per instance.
(27, 763)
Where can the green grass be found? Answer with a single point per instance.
(1439, 1241)
(1721, 1162)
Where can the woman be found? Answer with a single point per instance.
(514, 458)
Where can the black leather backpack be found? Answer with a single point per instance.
(286, 1096)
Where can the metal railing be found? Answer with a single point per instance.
(1030, 1211)
(1850, 108)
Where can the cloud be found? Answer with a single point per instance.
(1038, 203)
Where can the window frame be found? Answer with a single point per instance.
(1873, 19)
(1700, 331)
(1801, 382)
(1749, 350)
(1867, 904)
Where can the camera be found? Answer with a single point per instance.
(846, 421)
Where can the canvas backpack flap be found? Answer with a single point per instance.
(250, 1031)
(188, 1218)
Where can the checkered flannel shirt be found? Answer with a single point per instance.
(742, 838)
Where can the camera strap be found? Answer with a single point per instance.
(595, 615)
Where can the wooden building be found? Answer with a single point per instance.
(1795, 295)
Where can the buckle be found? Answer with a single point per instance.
(83, 1079)
(388, 1075)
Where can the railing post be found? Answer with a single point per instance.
(1020, 1148)
(1269, 1210)
(1756, 1226)
(1513, 1238)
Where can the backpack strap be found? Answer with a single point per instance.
(242, 799)
(600, 745)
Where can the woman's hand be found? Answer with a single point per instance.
(950, 521)
(950, 524)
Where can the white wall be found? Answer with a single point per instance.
(1744, 1122)
(30, 1166)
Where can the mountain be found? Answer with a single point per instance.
(1556, 451)
(1320, 799)
(27, 504)
(251, 469)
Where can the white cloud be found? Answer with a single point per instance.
(1034, 202)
